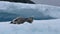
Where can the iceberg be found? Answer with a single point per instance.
(11, 10)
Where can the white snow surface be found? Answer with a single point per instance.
(37, 27)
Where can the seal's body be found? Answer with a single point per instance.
(21, 20)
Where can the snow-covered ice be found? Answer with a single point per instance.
(37, 27)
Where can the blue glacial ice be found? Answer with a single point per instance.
(11, 10)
